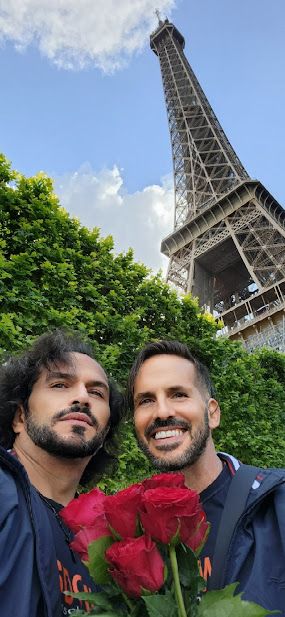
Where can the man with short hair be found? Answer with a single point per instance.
(175, 412)
(58, 412)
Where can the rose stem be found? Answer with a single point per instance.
(128, 601)
(177, 586)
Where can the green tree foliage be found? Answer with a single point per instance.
(54, 273)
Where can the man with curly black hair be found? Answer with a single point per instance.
(58, 412)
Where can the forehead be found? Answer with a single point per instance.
(165, 371)
(79, 366)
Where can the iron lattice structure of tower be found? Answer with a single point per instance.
(228, 242)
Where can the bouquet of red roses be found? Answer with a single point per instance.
(141, 546)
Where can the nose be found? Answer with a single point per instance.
(80, 395)
(164, 408)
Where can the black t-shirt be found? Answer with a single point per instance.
(213, 500)
(73, 575)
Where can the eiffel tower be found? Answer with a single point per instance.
(228, 242)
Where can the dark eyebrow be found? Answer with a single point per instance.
(99, 384)
(170, 390)
(60, 375)
(175, 388)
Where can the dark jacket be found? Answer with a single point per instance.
(29, 582)
(256, 555)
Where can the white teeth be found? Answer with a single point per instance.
(165, 434)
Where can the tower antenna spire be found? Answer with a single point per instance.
(158, 17)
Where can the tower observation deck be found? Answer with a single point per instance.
(228, 242)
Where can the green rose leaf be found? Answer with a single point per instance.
(111, 590)
(97, 598)
(161, 606)
(82, 595)
(97, 565)
(189, 574)
(100, 600)
(223, 603)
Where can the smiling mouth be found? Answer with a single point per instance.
(77, 417)
(168, 433)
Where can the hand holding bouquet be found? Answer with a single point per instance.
(141, 545)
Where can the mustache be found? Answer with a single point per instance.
(158, 423)
(76, 408)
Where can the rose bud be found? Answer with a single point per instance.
(84, 511)
(166, 511)
(121, 510)
(198, 538)
(136, 565)
(176, 480)
(85, 536)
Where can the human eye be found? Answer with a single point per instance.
(145, 400)
(180, 394)
(58, 384)
(96, 392)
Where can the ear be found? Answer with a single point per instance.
(19, 420)
(214, 413)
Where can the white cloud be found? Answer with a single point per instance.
(139, 220)
(75, 33)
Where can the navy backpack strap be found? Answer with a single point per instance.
(234, 506)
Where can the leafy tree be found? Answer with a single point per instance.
(54, 273)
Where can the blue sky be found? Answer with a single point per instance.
(81, 99)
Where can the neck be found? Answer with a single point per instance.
(205, 471)
(55, 478)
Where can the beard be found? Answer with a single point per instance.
(199, 440)
(46, 438)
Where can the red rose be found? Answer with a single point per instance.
(198, 538)
(136, 564)
(165, 479)
(85, 510)
(121, 510)
(85, 536)
(165, 511)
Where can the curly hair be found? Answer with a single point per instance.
(19, 374)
